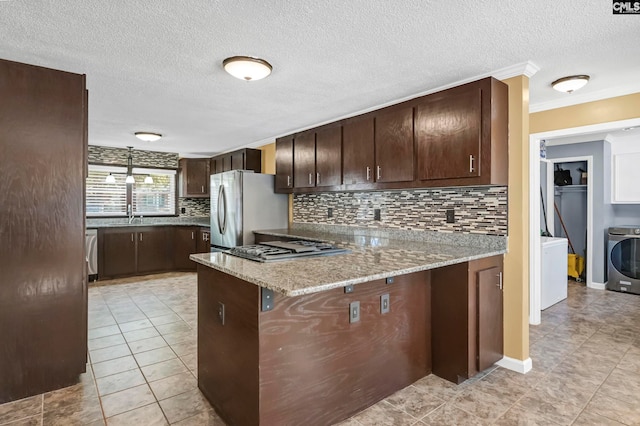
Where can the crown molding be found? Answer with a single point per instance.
(528, 69)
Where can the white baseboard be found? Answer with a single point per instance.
(516, 365)
(597, 286)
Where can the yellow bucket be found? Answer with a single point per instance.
(575, 265)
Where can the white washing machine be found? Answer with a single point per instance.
(553, 282)
(623, 259)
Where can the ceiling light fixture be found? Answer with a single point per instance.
(110, 179)
(148, 179)
(247, 68)
(130, 178)
(148, 136)
(571, 83)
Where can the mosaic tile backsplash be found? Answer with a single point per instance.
(194, 206)
(118, 156)
(478, 210)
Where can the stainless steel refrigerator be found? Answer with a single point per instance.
(242, 202)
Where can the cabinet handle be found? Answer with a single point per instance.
(132, 237)
(499, 280)
(317, 178)
(471, 160)
(368, 173)
(310, 177)
(288, 180)
(202, 188)
(140, 236)
(192, 235)
(378, 173)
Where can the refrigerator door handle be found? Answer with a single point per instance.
(224, 202)
(220, 192)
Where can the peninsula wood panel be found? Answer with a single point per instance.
(228, 354)
(43, 340)
(316, 368)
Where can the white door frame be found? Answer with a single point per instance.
(534, 201)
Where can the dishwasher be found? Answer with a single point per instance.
(91, 249)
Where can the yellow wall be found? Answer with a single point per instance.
(516, 261)
(596, 112)
(268, 158)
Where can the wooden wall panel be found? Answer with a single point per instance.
(43, 339)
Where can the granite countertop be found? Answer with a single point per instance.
(372, 257)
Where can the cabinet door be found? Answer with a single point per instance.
(184, 244)
(284, 164)
(226, 163)
(304, 160)
(215, 166)
(394, 145)
(448, 131)
(237, 160)
(490, 350)
(328, 157)
(358, 151)
(204, 241)
(253, 160)
(118, 252)
(195, 177)
(153, 250)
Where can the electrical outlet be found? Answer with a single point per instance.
(221, 312)
(389, 280)
(348, 289)
(451, 216)
(183, 210)
(384, 304)
(354, 312)
(376, 214)
(330, 212)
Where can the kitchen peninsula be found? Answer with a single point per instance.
(316, 340)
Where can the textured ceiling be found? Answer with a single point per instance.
(155, 65)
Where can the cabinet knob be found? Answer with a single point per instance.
(471, 161)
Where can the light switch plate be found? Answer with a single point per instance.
(384, 304)
(354, 312)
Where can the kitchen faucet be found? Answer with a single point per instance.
(130, 213)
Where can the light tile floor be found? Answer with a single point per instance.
(142, 369)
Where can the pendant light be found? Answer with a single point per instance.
(148, 179)
(110, 179)
(130, 178)
(247, 68)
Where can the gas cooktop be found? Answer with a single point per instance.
(272, 251)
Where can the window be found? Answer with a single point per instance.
(147, 199)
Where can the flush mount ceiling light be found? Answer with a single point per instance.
(148, 136)
(247, 68)
(571, 83)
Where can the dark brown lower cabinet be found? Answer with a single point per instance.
(185, 240)
(134, 251)
(204, 242)
(466, 318)
(303, 362)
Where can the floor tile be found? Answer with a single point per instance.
(127, 400)
(191, 361)
(449, 415)
(164, 369)
(82, 413)
(149, 415)
(144, 333)
(185, 348)
(185, 405)
(135, 325)
(20, 409)
(174, 327)
(147, 344)
(623, 411)
(179, 337)
(105, 342)
(120, 381)
(207, 417)
(154, 356)
(109, 330)
(114, 366)
(415, 401)
(173, 385)
(559, 412)
(111, 352)
(165, 319)
(384, 414)
(590, 419)
(480, 404)
(29, 421)
(79, 394)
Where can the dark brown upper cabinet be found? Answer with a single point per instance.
(194, 177)
(304, 160)
(394, 144)
(284, 164)
(243, 159)
(358, 154)
(458, 138)
(328, 156)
